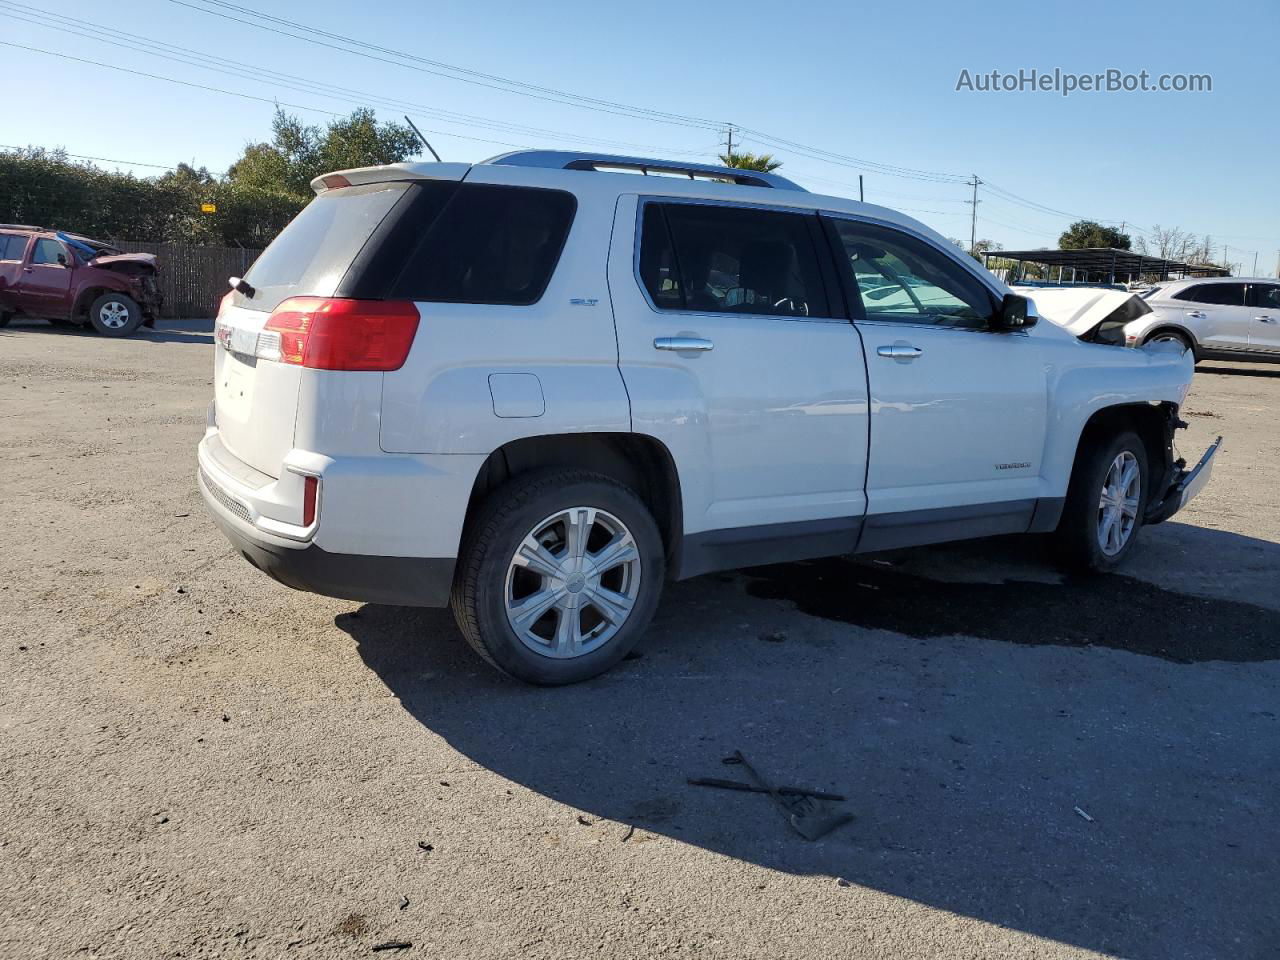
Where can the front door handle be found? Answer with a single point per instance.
(902, 352)
(1265, 319)
(682, 343)
(1196, 314)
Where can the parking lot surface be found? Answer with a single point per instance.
(198, 762)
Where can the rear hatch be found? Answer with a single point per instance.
(255, 393)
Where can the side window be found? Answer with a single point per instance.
(1218, 294)
(731, 260)
(490, 244)
(658, 260)
(1265, 295)
(48, 251)
(12, 247)
(904, 280)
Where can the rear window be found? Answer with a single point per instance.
(1224, 294)
(313, 253)
(490, 244)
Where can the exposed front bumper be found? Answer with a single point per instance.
(1186, 485)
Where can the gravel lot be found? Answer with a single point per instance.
(197, 762)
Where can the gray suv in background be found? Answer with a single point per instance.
(1224, 318)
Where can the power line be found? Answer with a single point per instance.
(235, 68)
(82, 156)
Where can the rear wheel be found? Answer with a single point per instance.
(1105, 502)
(559, 577)
(5, 318)
(115, 315)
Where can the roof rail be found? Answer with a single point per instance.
(568, 160)
(23, 226)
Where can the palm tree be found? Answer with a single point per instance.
(763, 163)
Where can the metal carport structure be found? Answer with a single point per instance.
(1116, 266)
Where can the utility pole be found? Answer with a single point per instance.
(973, 220)
(861, 198)
(1255, 264)
(729, 136)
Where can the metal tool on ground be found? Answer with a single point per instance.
(808, 816)
(752, 788)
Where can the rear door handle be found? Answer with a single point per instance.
(1265, 319)
(899, 351)
(682, 344)
(1196, 314)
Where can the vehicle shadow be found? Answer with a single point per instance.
(1269, 370)
(965, 719)
(167, 331)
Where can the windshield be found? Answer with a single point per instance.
(312, 254)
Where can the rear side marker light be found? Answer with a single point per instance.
(331, 334)
(310, 493)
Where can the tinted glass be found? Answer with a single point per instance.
(902, 279)
(312, 254)
(47, 251)
(490, 244)
(736, 260)
(1266, 295)
(12, 247)
(1225, 294)
(658, 260)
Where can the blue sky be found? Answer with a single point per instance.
(870, 82)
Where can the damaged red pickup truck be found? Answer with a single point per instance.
(72, 280)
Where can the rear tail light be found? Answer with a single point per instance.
(330, 334)
(310, 493)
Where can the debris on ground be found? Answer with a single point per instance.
(776, 636)
(583, 820)
(959, 739)
(810, 816)
(842, 882)
(425, 847)
(404, 903)
(1083, 814)
(392, 945)
(752, 788)
(631, 829)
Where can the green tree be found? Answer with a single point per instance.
(761, 163)
(298, 152)
(1087, 233)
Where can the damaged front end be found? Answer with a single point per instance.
(141, 273)
(1179, 485)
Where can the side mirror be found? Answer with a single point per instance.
(62, 259)
(1015, 313)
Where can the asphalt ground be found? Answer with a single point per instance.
(198, 762)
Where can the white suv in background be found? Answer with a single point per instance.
(540, 386)
(1224, 318)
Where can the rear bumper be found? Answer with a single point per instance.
(403, 581)
(374, 520)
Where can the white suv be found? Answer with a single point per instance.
(1223, 318)
(539, 386)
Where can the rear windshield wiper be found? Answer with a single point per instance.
(241, 286)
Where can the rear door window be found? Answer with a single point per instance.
(724, 259)
(1217, 294)
(490, 244)
(12, 247)
(1265, 295)
(313, 253)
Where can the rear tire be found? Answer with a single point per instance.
(115, 315)
(5, 318)
(1105, 503)
(559, 576)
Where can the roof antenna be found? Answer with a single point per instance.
(423, 139)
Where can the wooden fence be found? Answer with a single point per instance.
(193, 278)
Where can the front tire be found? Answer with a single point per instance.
(559, 576)
(1105, 502)
(115, 315)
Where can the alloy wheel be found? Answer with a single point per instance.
(113, 314)
(572, 582)
(1118, 505)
